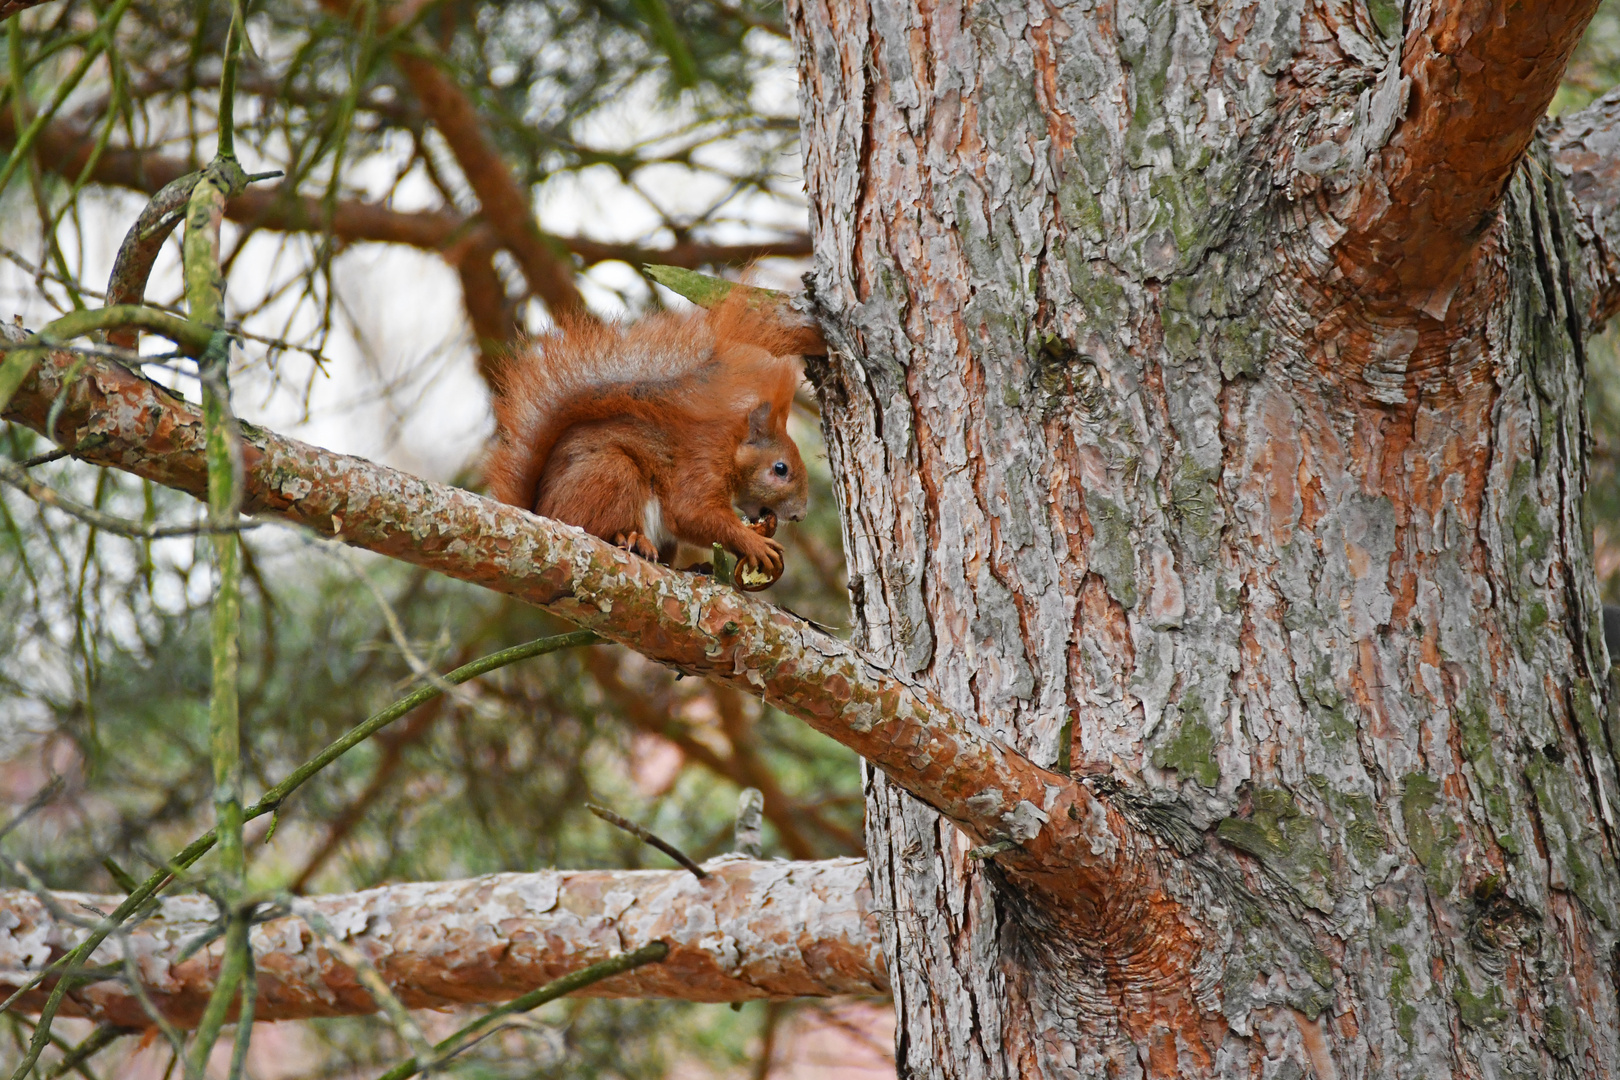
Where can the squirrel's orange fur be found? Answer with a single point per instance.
(657, 431)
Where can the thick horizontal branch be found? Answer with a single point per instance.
(749, 930)
(1586, 152)
(690, 254)
(1058, 828)
(1479, 75)
(63, 147)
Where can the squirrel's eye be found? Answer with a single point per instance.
(780, 468)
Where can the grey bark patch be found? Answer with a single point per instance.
(913, 629)
(1004, 666)
(1024, 821)
(1369, 539)
(987, 802)
(1153, 677)
(1112, 553)
(1377, 112)
(1318, 159)
(1195, 511)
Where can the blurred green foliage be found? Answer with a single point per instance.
(1595, 67)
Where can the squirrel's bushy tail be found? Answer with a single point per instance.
(709, 368)
(545, 383)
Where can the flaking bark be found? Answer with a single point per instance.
(751, 930)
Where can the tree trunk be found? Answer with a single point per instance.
(1206, 402)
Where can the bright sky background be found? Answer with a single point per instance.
(401, 386)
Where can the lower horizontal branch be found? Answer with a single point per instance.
(748, 931)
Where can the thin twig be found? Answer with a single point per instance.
(46, 458)
(396, 629)
(244, 1014)
(34, 885)
(44, 273)
(650, 953)
(137, 986)
(135, 530)
(647, 838)
(93, 1044)
(205, 302)
(233, 968)
(192, 339)
(553, 1037)
(52, 1040)
(45, 795)
(389, 760)
(774, 1011)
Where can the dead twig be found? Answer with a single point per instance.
(42, 799)
(647, 838)
(19, 479)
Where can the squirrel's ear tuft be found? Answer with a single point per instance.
(759, 424)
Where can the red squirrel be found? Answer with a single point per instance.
(658, 431)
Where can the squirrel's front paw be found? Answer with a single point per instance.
(761, 553)
(638, 544)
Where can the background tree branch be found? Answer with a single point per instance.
(504, 202)
(750, 930)
(65, 147)
(9, 8)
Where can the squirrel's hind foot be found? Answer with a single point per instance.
(637, 544)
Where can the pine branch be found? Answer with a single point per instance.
(767, 929)
(1473, 81)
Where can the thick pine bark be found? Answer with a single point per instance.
(1206, 403)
